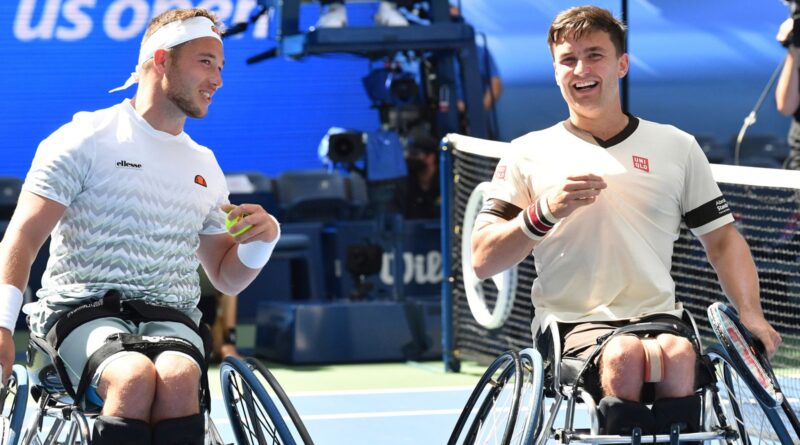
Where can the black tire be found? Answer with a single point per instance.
(13, 401)
(489, 388)
(282, 397)
(738, 407)
(530, 409)
(254, 417)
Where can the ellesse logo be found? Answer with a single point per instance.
(126, 164)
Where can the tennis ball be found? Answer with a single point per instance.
(232, 222)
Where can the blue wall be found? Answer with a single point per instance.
(697, 64)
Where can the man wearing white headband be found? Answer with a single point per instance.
(132, 204)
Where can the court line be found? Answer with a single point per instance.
(356, 392)
(368, 415)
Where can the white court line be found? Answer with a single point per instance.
(355, 392)
(364, 415)
(373, 415)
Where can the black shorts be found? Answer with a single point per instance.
(579, 341)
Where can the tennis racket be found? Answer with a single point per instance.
(746, 355)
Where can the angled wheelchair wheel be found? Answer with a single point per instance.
(530, 399)
(254, 418)
(286, 403)
(13, 399)
(492, 408)
(737, 407)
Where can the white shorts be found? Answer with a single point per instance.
(84, 340)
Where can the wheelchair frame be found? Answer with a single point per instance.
(721, 413)
(68, 423)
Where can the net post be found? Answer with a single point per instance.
(446, 189)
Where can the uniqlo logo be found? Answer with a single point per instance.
(500, 173)
(641, 163)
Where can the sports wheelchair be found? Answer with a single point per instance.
(532, 397)
(58, 420)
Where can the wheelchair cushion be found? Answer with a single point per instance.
(189, 430)
(684, 411)
(618, 416)
(111, 430)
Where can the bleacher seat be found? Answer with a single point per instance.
(761, 150)
(714, 151)
(312, 195)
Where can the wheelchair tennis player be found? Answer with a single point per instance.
(599, 199)
(132, 204)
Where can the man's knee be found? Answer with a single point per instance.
(174, 369)
(623, 349)
(680, 364)
(621, 367)
(677, 350)
(131, 374)
(178, 376)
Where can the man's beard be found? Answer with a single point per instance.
(175, 95)
(185, 105)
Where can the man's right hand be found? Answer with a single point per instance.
(7, 353)
(578, 191)
(785, 30)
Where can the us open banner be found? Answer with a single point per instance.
(62, 56)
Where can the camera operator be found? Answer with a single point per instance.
(787, 93)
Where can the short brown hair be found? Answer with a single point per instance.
(174, 15)
(580, 20)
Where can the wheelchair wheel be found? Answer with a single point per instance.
(735, 406)
(13, 400)
(270, 379)
(530, 401)
(254, 417)
(491, 410)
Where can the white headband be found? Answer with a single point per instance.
(170, 35)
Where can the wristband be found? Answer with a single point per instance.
(10, 304)
(536, 220)
(255, 254)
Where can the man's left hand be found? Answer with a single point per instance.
(264, 225)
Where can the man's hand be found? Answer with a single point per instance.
(7, 352)
(578, 191)
(785, 30)
(759, 326)
(264, 227)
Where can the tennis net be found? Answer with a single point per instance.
(765, 202)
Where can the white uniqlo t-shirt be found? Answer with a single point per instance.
(137, 199)
(611, 260)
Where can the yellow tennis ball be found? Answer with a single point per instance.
(232, 222)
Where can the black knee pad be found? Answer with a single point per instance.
(110, 430)
(619, 416)
(684, 411)
(189, 430)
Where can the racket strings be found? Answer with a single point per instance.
(750, 359)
